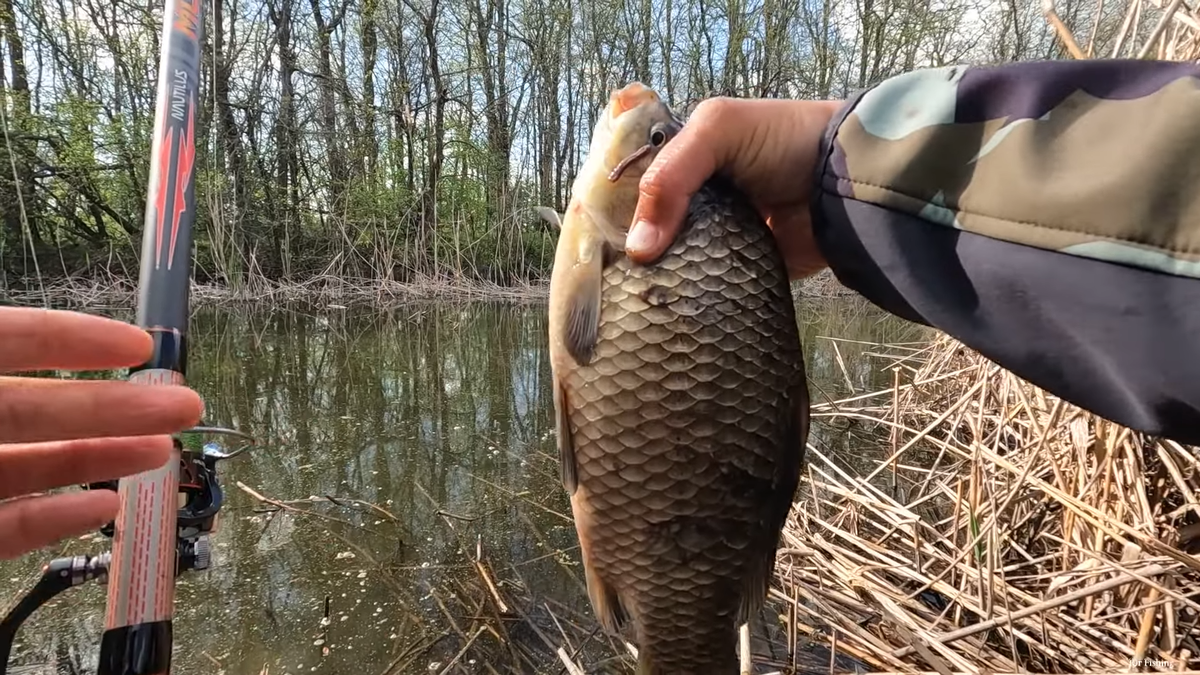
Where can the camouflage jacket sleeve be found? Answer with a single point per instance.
(1045, 214)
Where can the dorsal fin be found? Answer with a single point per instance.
(550, 216)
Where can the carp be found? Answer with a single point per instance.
(680, 400)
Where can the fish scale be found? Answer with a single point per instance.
(687, 429)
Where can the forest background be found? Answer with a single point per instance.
(407, 141)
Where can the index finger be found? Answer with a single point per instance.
(676, 173)
(50, 339)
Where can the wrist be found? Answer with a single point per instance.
(823, 118)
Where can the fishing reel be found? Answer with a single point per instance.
(200, 493)
(200, 501)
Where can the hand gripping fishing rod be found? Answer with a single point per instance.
(142, 647)
(165, 515)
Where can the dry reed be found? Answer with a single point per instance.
(1002, 530)
(1005, 530)
(110, 290)
(1159, 29)
(333, 290)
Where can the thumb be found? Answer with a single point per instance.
(676, 173)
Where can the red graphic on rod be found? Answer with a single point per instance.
(185, 160)
(160, 202)
(183, 174)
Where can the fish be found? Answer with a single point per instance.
(680, 402)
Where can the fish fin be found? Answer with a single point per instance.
(605, 601)
(574, 319)
(582, 302)
(550, 216)
(583, 318)
(795, 423)
(754, 589)
(645, 664)
(566, 448)
(800, 409)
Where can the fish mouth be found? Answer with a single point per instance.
(619, 169)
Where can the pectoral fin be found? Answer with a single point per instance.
(580, 298)
(583, 319)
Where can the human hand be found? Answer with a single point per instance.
(767, 147)
(56, 433)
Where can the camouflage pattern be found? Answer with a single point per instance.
(1081, 157)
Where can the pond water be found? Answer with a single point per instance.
(438, 419)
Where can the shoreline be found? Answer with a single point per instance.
(333, 292)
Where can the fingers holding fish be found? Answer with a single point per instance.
(677, 172)
(768, 148)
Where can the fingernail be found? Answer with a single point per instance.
(640, 238)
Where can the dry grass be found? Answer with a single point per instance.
(110, 290)
(1007, 531)
(822, 285)
(326, 289)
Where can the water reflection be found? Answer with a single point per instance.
(439, 415)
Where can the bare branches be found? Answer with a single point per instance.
(401, 139)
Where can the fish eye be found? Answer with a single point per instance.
(658, 137)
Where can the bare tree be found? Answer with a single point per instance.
(392, 138)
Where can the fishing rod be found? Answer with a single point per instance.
(166, 515)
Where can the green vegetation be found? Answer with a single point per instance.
(407, 140)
